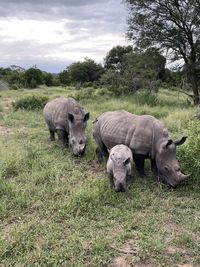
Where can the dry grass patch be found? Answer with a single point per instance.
(4, 130)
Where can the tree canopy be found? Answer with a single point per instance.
(86, 71)
(115, 57)
(173, 25)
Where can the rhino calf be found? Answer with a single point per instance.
(119, 167)
(66, 117)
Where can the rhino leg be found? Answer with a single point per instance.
(139, 163)
(110, 176)
(52, 135)
(154, 168)
(63, 138)
(101, 152)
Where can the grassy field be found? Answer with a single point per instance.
(57, 210)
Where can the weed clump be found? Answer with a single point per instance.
(189, 153)
(32, 102)
(147, 98)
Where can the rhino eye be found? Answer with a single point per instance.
(73, 141)
(166, 168)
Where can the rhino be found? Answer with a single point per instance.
(66, 117)
(147, 138)
(119, 166)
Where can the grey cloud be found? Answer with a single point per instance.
(86, 20)
(50, 9)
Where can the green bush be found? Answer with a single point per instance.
(32, 102)
(189, 153)
(147, 98)
(84, 94)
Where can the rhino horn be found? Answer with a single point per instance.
(183, 177)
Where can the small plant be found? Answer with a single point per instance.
(30, 102)
(189, 153)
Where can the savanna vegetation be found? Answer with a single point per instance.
(57, 210)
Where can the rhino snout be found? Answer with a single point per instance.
(175, 178)
(120, 188)
(79, 150)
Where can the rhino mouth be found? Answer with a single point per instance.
(79, 153)
(120, 188)
(173, 182)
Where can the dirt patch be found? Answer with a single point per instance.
(143, 265)
(95, 169)
(6, 232)
(173, 250)
(185, 265)
(120, 262)
(127, 251)
(172, 230)
(4, 130)
(173, 227)
(185, 254)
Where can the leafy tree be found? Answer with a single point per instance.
(33, 77)
(87, 71)
(138, 70)
(115, 57)
(64, 77)
(14, 76)
(47, 78)
(170, 24)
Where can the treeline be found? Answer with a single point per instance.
(125, 70)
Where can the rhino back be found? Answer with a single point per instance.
(136, 132)
(55, 112)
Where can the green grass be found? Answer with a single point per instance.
(57, 210)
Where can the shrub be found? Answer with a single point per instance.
(147, 98)
(190, 151)
(84, 94)
(30, 102)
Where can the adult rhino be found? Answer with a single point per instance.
(66, 117)
(146, 136)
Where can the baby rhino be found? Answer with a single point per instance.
(119, 167)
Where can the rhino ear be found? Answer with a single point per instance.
(127, 161)
(169, 142)
(86, 117)
(180, 141)
(112, 157)
(70, 117)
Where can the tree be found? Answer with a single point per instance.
(64, 77)
(47, 78)
(14, 76)
(87, 71)
(138, 70)
(33, 77)
(173, 25)
(115, 56)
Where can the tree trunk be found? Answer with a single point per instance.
(193, 79)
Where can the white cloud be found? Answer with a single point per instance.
(89, 30)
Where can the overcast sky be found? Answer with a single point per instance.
(54, 33)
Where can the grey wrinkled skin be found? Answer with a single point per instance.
(66, 117)
(146, 136)
(119, 166)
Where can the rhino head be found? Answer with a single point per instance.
(120, 172)
(168, 168)
(77, 125)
